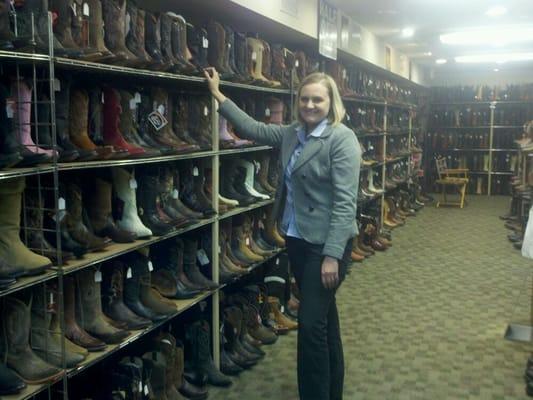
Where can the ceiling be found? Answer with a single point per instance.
(430, 18)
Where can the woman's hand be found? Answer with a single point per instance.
(213, 82)
(330, 272)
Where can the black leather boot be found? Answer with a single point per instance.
(152, 25)
(10, 383)
(147, 193)
(191, 268)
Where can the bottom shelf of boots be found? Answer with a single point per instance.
(93, 358)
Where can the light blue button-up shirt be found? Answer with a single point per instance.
(288, 222)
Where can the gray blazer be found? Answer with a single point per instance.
(325, 178)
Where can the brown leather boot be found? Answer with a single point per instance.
(135, 37)
(96, 30)
(278, 316)
(114, 12)
(89, 309)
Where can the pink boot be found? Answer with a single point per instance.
(22, 111)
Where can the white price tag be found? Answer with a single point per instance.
(297, 63)
(133, 183)
(73, 6)
(261, 225)
(129, 274)
(133, 104)
(161, 109)
(51, 298)
(195, 171)
(254, 56)
(206, 111)
(10, 111)
(61, 204)
(146, 391)
(98, 276)
(103, 100)
(247, 241)
(277, 261)
(137, 97)
(267, 112)
(57, 85)
(86, 9)
(175, 194)
(202, 257)
(140, 387)
(343, 74)
(205, 42)
(229, 45)
(150, 266)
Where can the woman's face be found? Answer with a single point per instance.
(314, 104)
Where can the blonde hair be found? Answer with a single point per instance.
(336, 108)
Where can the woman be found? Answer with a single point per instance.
(315, 207)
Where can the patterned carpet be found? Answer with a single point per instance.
(426, 319)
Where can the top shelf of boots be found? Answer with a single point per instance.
(483, 103)
(378, 102)
(135, 72)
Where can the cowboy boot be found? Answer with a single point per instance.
(10, 150)
(127, 216)
(89, 309)
(135, 39)
(114, 12)
(80, 30)
(113, 302)
(96, 31)
(12, 250)
(152, 34)
(179, 43)
(65, 14)
(7, 37)
(16, 323)
(190, 247)
(147, 198)
(73, 221)
(46, 337)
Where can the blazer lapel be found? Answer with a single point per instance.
(288, 149)
(310, 149)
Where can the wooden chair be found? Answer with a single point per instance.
(457, 178)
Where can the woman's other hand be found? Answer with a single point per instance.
(213, 82)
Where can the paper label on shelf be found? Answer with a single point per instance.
(267, 112)
(133, 183)
(86, 11)
(137, 97)
(254, 56)
(206, 111)
(161, 109)
(150, 266)
(129, 274)
(202, 257)
(282, 308)
(98, 276)
(195, 171)
(157, 120)
(57, 85)
(175, 194)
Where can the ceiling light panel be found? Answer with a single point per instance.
(498, 58)
(408, 32)
(496, 11)
(489, 36)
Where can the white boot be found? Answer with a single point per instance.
(228, 201)
(249, 181)
(371, 186)
(125, 186)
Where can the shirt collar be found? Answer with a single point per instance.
(317, 132)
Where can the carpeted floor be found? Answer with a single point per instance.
(426, 319)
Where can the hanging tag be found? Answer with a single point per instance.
(73, 7)
(267, 112)
(175, 194)
(137, 97)
(206, 111)
(146, 391)
(261, 225)
(195, 171)
(297, 63)
(343, 74)
(205, 42)
(157, 120)
(86, 9)
(202, 257)
(129, 273)
(150, 266)
(161, 109)
(133, 104)
(229, 45)
(140, 387)
(51, 298)
(10, 110)
(254, 56)
(57, 85)
(282, 308)
(98, 276)
(133, 183)
(277, 261)
(247, 241)
(61, 204)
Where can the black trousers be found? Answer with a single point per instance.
(320, 355)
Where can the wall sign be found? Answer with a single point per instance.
(328, 40)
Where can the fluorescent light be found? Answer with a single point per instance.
(496, 11)
(496, 70)
(441, 61)
(489, 36)
(408, 32)
(499, 58)
(428, 53)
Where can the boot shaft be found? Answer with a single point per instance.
(79, 109)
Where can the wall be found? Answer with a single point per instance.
(305, 21)
(451, 75)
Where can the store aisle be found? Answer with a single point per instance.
(424, 320)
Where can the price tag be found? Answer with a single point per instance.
(51, 298)
(175, 194)
(133, 104)
(150, 266)
(98, 276)
(103, 101)
(140, 387)
(133, 183)
(205, 42)
(277, 261)
(247, 241)
(61, 204)
(297, 63)
(86, 9)
(161, 109)
(202, 257)
(146, 391)
(9, 109)
(254, 56)
(206, 111)
(229, 45)
(261, 225)
(267, 112)
(73, 7)
(129, 274)
(57, 85)
(343, 74)
(137, 97)
(195, 171)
